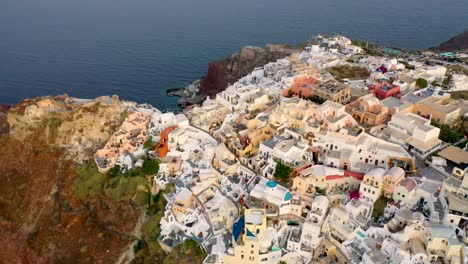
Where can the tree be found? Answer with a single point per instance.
(149, 144)
(138, 246)
(282, 171)
(150, 166)
(447, 134)
(421, 83)
(115, 171)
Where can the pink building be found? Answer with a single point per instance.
(384, 90)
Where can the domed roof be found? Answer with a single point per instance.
(287, 196)
(271, 184)
(377, 172)
(396, 172)
(408, 184)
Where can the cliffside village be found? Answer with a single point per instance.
(293, 164)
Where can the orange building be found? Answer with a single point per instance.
(162, 148)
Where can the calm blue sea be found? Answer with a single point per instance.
(139, 48)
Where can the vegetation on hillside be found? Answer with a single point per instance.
(459, 95)
(148, 250)
(132, 183)
(90, 181)
(348, 72)
(119, 187)
(188, 252)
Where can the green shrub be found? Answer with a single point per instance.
(149, 144)
(379, 207)
(447, 134)
(150, 166)
(138, 246)
(282, 171)
(421, 83)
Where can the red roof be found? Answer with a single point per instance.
(408, 183)
(358, 176)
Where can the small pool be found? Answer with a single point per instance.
(361, 234)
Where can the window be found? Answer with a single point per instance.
(252, 246)
(242, 256)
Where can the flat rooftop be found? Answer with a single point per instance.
(455, 154)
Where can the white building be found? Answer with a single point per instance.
(413, 132)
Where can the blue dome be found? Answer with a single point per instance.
(271, 184)
(288, 196)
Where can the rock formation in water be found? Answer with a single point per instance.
(221, 73)
(457, 43)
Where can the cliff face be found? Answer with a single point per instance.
(457, 43)
(221, 73)
(41, 218)
(4, 126)
(77, 126)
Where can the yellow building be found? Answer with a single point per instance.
(333, 91)
(442, 110)
(248, 248)
(183, 201)
(368, 110)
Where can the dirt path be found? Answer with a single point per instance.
(127, 256)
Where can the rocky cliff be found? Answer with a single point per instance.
(41, 218)
(77, 126)
(221, 73)
(4, 126)
(457, 43)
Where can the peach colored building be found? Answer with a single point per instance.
(302, 87)
(183, 201)
(368, 110)
(130, 137)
